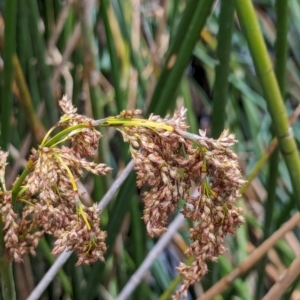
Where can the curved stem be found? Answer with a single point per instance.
(54, 140)
(17, 185)
(30, 164)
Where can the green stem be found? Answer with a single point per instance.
(264, 70)
(26, 102)
(17, 186)
(172, 18)
(167, 294)
(9, 49)
(268, 224)
(90, 60)
(7, 279)
(23, 39)
(120, 209)
(59, 137)
(259, 164)
(65, 282)
(30, 164)
(281, 47)
(187, 15)
(133, 55)
(179, 55)
(188, 103)
(222, 68)
(44, 69)
(138, 234)
(113, 55)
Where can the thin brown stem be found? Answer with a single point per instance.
(284, 281)
(252, 259)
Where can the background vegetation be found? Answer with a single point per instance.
(213, 57)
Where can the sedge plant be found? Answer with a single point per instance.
(169, 161)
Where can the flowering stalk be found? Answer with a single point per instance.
(168, 161)
(48, 189)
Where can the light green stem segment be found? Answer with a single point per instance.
(265, 72)
(133, 122)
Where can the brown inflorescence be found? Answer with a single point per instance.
(51, 200)
(159, 162)
(170, 161)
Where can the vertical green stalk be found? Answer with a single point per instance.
(124, 27)
(266, 75)
(49, 18)
(44, 70)
(113, 55)
(187, 15)
(281, 47)
(7, 279)
(9, 49)
(172, 17)
(138, 239)
(176, 40)
(188, 103)
(268, 224)
(281, 44)
(222, 69)
(23, 39)
(65, 282)
(179, 55)
(90, 61)
(120, 208)
(24, 52)
(26, 102)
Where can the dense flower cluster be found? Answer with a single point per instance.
(51, 200)
(213, 211)
(170, 161)
(157, 152)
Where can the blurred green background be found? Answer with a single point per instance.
(158, 56)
